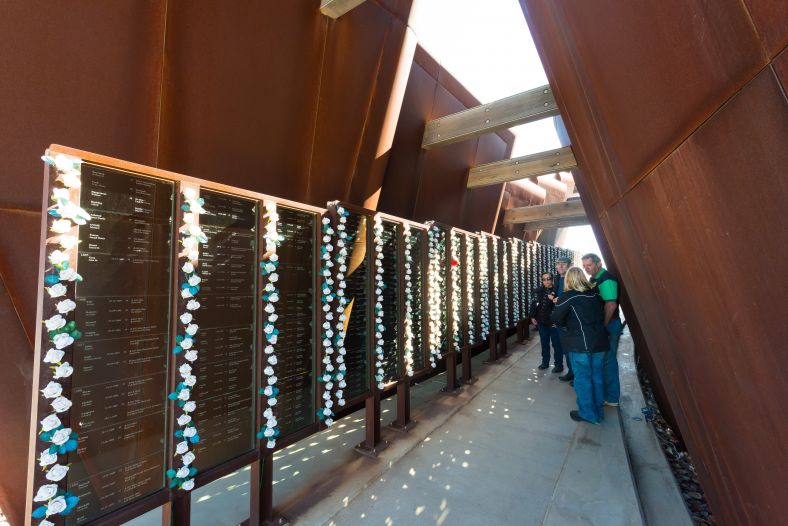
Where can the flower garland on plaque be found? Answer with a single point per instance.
(513, 250)
(505, 282)
(496, 284)
(434, 283)
(484, 288)
(379, 286)
(270, 296)
(408, 322)
(327, 298)
(191, 237)
(470, 265)
(456, 286)
(339, 337)
(66, 217)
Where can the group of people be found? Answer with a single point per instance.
(580, 316)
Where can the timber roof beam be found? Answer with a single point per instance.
(542, 163)
(528, 106)
(568, 210)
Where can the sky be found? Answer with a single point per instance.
(486, 45)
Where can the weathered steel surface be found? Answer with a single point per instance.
(679, 131)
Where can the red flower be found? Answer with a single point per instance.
(454, 262)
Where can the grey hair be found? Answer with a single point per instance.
(593, 257)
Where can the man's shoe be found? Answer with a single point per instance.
(568, 377)
(543, 366)
(558, 369)
(575, 415)
(611, 404)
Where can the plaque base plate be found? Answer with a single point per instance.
(276, 521)
(455, 391)
(371, 452)
(404, 429)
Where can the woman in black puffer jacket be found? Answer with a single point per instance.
(579, 314)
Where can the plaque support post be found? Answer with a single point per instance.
(520, 331)
(502, 343)
(451, 372)
(492, 340)
(264, 469)
(181, 509)
(372, 444)
(467, 375)
(403, 423)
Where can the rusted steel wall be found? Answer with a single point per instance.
(678, 118)
(269, 96)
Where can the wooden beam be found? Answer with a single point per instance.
(555, 223)
(336, 8)
(542, 163)
(524, 107)
(529, 214)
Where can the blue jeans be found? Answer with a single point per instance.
(546, 334)
(588, 384)
(610, 372)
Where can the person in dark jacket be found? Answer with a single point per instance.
(579, 313)
(541, 308)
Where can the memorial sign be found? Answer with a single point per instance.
(391, 307)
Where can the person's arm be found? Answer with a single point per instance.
(610, 310)
(560, 312)
(532, 307)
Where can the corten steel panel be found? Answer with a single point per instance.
(354, 50)
(769, 17)
(15, 378)
(442, 186)
(780, 65)
(399, 8)
(646, 104)
(481, 204)
(708, 227)
(369, 170)
(19, 234)
(81, 73)
(241, 93)
(401, 181)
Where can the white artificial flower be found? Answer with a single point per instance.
(188, 458)
(194, 280)
(56, 505)
(181, 448)
(188, 485)
(184, 394)
(186, 318)
(54, 356)
(193, 305)
(269, 349)
(184, 419)
(52, 390)
(185, 370)
(189, 407)
(188, 267)
(272, 360)
(273, 339)
(186, 294)
(68, 242)
(61, 226)
(61, 404)
(55, 322)
(56, 290)
(45, 492)
(190, 432)
(62, 340)
(191, 329)
(61, 436)
(190, 381)
(46, 458)
(46, 523)
(182, 472)
(50, 423)
(57, 472)
(272, 380)
(190, 355)
(63, 370)
(65, 306)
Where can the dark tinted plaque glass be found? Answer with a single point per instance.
(417, 303)
(471, 334)
(444, 289)
(295, 310)
(391, 356)
(455, 274)
(119, 385)
(357, 292)
(225, 369)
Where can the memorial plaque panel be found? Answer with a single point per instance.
(357, 311)
(225, 369)
(119, 385)
(417, 298)
(295, 310)
(455, 274)
(391, 306)
(471, 288)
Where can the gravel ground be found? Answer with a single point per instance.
(678, 458)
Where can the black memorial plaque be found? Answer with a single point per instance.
(225, 370)
(417, 301)
(119, 385)
(356, 312)
(471, 332)
(443, 289)
(295, 320)
(391, 355)
(456, 267)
